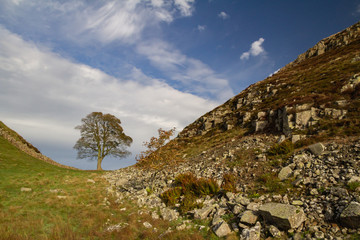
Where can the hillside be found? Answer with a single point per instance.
(278, 160)
(19, 142)
(39, 200)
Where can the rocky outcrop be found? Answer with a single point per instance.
(337, 40)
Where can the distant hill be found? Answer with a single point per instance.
(19, 142)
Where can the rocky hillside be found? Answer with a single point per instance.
(281, 160)
(23, 145)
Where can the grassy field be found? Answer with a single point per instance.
(68, 204)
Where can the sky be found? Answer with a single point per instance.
(151, 63)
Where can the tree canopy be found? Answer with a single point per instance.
(101, 135)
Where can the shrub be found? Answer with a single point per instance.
(189, 203)
(229, 183)
(171, 196)
(281, 150)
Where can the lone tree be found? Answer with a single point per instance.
(101, 135)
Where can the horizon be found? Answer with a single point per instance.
(153, 64)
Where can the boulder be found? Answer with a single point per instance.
(285, 173)
(317, 149)
(222, 229)
(350, 217)
(283, 216)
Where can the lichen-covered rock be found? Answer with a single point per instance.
(283, 216)
(350, 217)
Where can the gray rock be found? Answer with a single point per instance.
(222, 229)
(249, 217)
(203, 212)
(251, 233)
(317, 149)
(285, 173)
(169, 214)
(283, 216)
(350, 217)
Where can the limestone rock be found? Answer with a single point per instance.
(283, 216)
(285, 173)
(249, 217)
(252, 233)
(203, 212)
(317, 149)
(350, 217)
(222, 229)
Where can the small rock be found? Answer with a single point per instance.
(147, 225)
(25, 189)
(203, 212)
(274, 231)
(222, 229)
(297, 203)
(251, 233)
(90, 181)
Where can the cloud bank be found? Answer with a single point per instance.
(44, 96)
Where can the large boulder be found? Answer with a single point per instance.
(350, 217)
(284, 216)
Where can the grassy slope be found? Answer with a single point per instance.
(40, 214)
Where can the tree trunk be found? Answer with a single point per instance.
(99, 164)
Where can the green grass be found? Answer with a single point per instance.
(83, 214)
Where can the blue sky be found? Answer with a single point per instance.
(153, 63)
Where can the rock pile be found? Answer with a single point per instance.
(323, 202)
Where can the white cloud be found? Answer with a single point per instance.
(95, 21)
(255, 50)
(201, 28)
(194, 76)
(223, 15)
(185, 6)
(45, 96)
